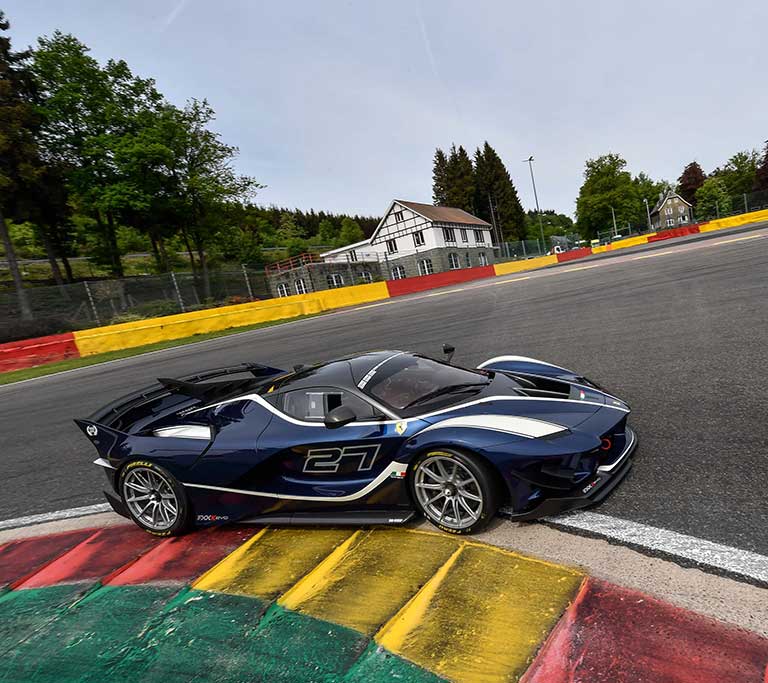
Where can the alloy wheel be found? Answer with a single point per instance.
(150, 498)
(448, 492)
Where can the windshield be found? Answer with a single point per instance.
(409, 381)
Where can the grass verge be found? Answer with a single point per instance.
(73, 363)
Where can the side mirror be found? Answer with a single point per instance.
(340, 416)
(448, 350)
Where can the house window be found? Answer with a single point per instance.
(282, 290)
(365, 276)
(335, 280)
(353, 256)
(463, 234)
(398, 273)
(669, 211)
(425, 267)
(670, 222)
(681, 209)
(392, 246)
(453, 261)
(482, 258)
(480, 236)
(468, 260)
(301, 288)
(449, 235)
(398, 216)
(418, 239)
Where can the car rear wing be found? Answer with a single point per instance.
(189, 389)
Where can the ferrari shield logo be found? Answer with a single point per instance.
(400, 427)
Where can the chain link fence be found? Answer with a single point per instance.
(105, 302)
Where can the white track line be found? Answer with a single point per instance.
(698, 551)
(695, 550)
(54, 516)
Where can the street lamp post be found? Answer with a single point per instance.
(529, 161)
(613, 215)
(648, 213)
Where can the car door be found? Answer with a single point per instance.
(312, 463)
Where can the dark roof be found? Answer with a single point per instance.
(444, 214)
(669, 193)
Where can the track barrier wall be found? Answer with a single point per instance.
(410, 285)
(29, 352)
(42, 350)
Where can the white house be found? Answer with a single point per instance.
(421, 239)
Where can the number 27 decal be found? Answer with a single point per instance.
(328, 460)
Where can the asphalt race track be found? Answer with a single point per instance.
(680, 332)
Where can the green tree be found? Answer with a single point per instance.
(494, 187)
(690, 180)
(288, 229)
(646, 189)
(206, 180)
(460, 189)
(350, 232)
(607, 185)
(20, 164)
(326, 232)
(440, 178)
(553, 223)
(713, 199)
(761, 173)
(739, 173)
(87, 111)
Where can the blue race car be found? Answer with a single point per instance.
(367, 439)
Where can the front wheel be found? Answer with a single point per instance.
(154, 499)
(456, 492)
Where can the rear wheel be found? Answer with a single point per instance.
(154, 499)
(458, 493)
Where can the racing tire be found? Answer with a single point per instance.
(455, 491)
(154, 499)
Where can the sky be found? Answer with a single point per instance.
(340, 105)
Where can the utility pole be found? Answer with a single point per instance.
(648, 213)
(529, 161)
(613, 215)
(496, 230)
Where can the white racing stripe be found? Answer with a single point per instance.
(54, 516)
(698, 551)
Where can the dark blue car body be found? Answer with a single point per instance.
(233, 439)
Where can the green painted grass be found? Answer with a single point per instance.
(167, 634)
(83, 641)
(60, 366)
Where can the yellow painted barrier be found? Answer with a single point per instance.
(735, 221)
(529, 264)
(152, 330)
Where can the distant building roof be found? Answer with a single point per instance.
(664, 196)
(444, 214)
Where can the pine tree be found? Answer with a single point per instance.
(461, 180)
(440, 178)
(493, 185)
(761, 174)
(690, 180)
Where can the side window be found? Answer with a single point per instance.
(314, 403)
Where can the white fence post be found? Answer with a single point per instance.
(178, 292)
(247, 282)
(92, 302)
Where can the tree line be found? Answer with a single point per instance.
(94, 157)
(609, 190)
(482, 186)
